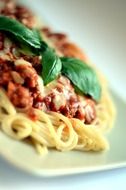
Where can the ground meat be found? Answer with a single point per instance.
(5, 78)
(63, 45)
(18, 12)
(46, 30)
(5, 72)
(21, 84)
(1, 41)
(58, 39)
(19, 95)
(6, 65)
(29, 74)
(25, 16)
(35, 61)
(71, 50)
(8, 9)
(38, 101)
(63, 99)
(72, 107)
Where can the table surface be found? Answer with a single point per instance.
(101, 24)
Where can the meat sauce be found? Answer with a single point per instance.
(62, 44)
(63, 99)
(18, 12)
(19, 76)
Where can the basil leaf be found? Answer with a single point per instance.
(20, 32)
(51, 66)
(43, 45)
(26, 50)
(82, 76)
(37, 34)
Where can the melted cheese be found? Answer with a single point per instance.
(41, 85)
(21, 62)
(59, 100)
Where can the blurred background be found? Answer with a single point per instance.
(98, 26)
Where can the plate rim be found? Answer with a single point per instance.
(60, 172)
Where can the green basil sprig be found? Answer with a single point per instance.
(31, 43)
(21, 32)
(51, 66)
(82, 76)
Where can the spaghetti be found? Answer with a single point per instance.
(51, 116)
(53, 130)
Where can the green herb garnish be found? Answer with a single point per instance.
(20, 32)
(80, 74)
(51, 66)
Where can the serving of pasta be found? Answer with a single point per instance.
(50, 94)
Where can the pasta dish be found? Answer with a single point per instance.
(50, 93)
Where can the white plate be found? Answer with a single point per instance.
(83, 23)
(63, 163)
